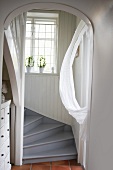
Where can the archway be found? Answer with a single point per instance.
(49, 6)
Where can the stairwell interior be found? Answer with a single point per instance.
(49, 137)
(46, 139)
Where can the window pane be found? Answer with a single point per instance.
(27, 52)
(42, 28)
(41, 35)
(36, 35)
(48, 44)
(41, 43)
(41, 51)
(36, 51)
(28, 34)
(41, 40)
(48, 59)
(52, 51)
(48, 68)
(28, 43)
(47, 51)
(53, 35)
(48, 35)
(53, 28)
(36, 27)
(36, 43)
(52, 44)
(28, 27)
(48, 28)
(52, 60)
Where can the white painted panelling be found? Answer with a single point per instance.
(42, 95)
(42, 90)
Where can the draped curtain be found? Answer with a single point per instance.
(66, 85)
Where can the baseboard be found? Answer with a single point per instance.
(83, 167)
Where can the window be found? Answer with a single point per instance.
(41, 39)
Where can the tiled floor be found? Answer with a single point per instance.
(58, 165)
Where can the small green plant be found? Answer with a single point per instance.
(29, 62)
(41, 61)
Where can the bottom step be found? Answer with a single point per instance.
(67, 153)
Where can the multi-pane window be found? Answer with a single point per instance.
(41, 41)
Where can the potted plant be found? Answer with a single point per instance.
(29, 63)
(41, 63)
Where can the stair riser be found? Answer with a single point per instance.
(29, 127)
(50, 159)
(67, 128)
(30, 113)
(39, 136)
(46, 147)
(48, 120)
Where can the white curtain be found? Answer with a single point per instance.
(16, 28)
(66, 85)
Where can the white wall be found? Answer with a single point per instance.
(16, 76)
(42, 90)
(42, 95)
(101, 121)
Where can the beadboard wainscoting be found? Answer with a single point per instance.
(42, 95)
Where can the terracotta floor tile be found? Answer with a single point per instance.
(23, 167)
(64, 163)
(74, 162)
(76, 168)
(43, 163)
(40, 167)
(60, 167)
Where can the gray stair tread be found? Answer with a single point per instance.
(55, 138)
(66, 151)
(30, 119)
(43, 127)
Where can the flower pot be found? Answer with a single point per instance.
(41, 69)
(28, 69)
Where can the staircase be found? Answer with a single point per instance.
(46, 139)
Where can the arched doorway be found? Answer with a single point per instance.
(47, 6)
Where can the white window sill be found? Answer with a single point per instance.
(42, 74)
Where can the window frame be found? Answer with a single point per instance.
(55, 39)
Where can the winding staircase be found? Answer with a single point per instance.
(46, 139)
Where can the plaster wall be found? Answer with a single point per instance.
(100, 12)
